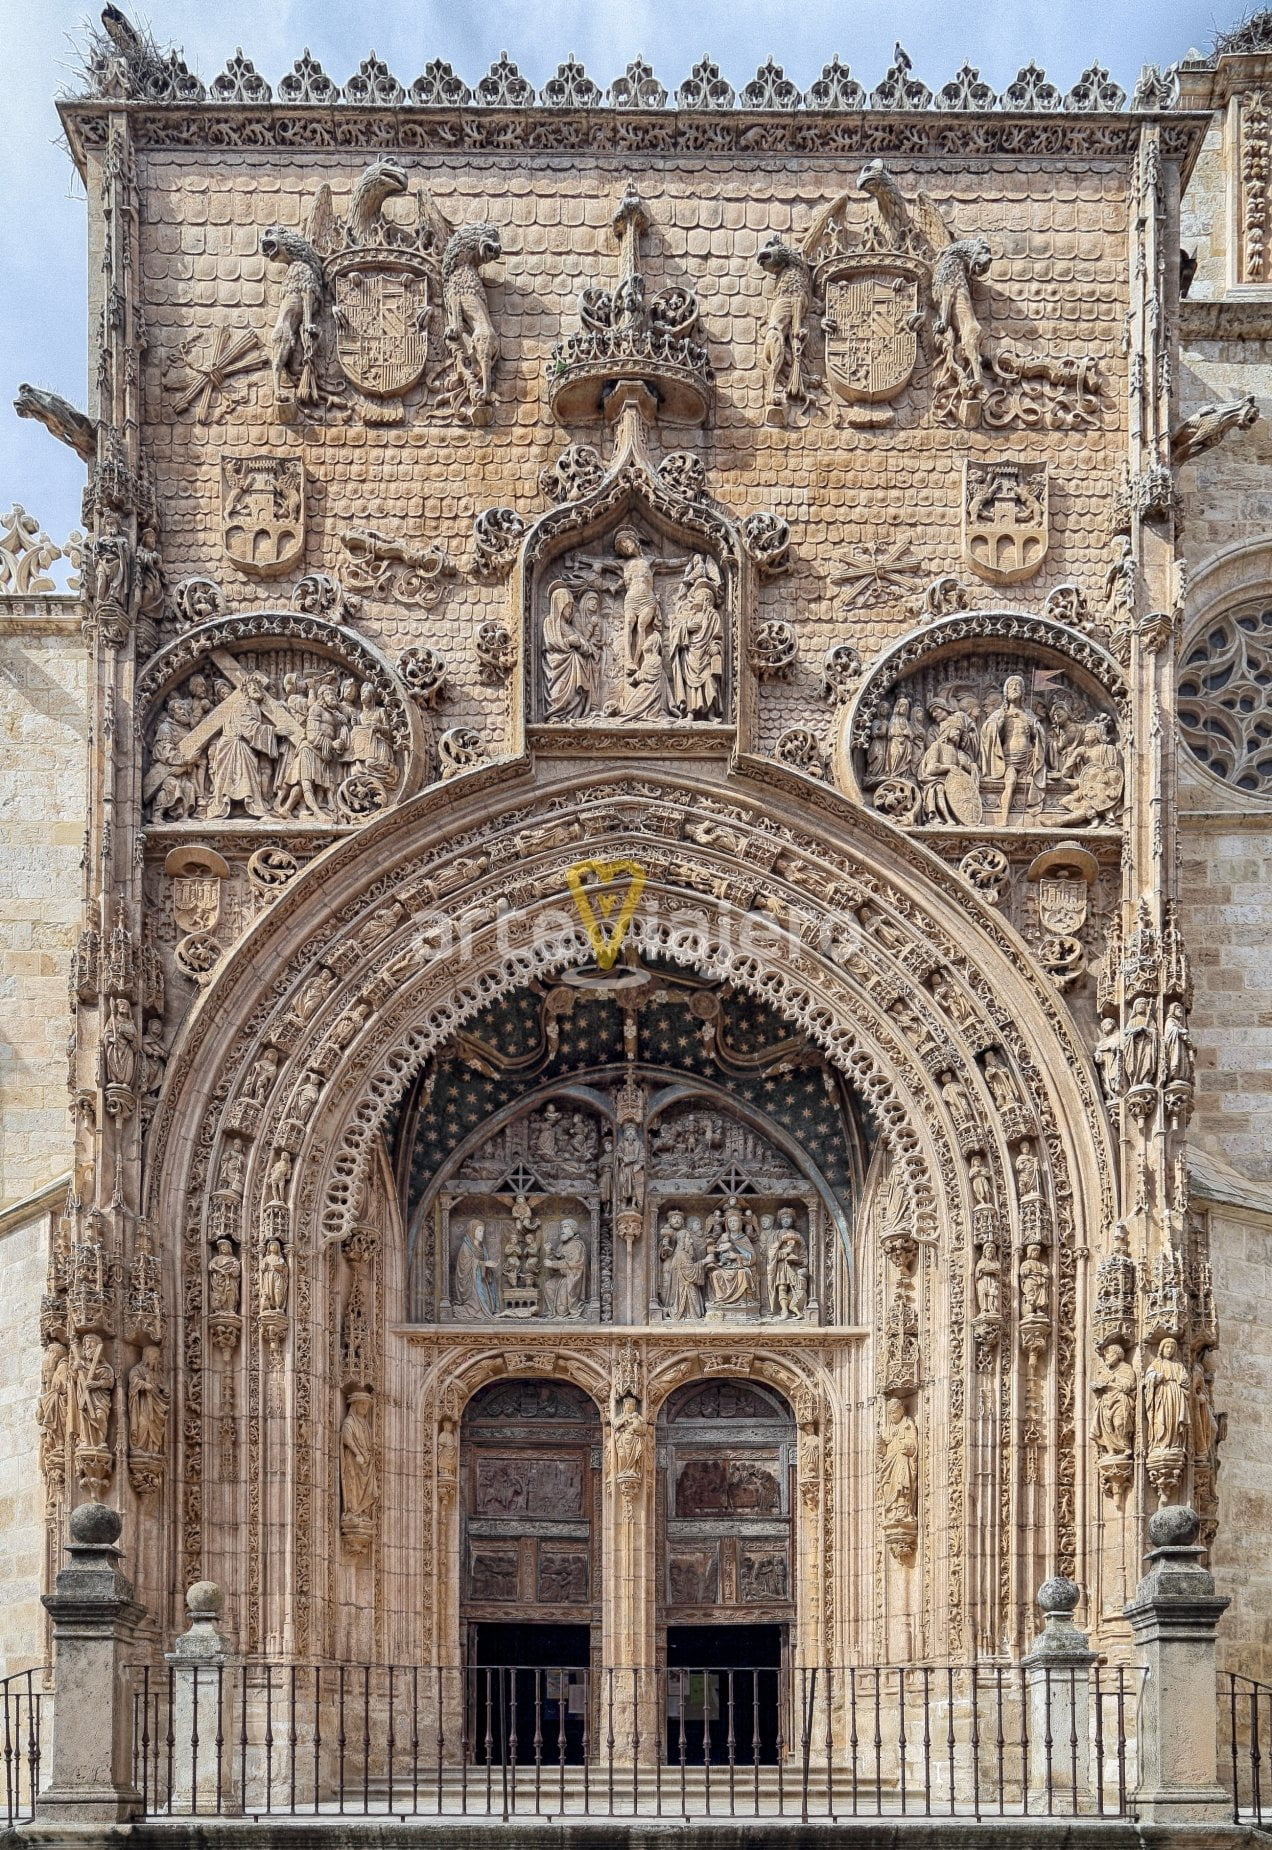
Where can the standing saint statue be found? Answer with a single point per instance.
(629, 1172)
(898, 1457)
(695, 642)
(1114, 1388)
(148, 1402)
(787, 1269)
(224, 1271)
(51, 1409)
(273, 1276)
(1014, 748)
(94, 1380)
(1166, 1410)
(359, 1483)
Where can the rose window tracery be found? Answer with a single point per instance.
(1224, 710)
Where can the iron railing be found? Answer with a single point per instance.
(1249, 1735)
(507, 1741)
(23, 1705)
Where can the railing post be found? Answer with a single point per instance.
(1173, 1617)
(204, 1726)
(94, 1618)
(1057, 1683)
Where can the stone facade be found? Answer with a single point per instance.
(635, 1034)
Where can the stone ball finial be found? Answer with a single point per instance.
(1059, 1595)
(93, 1525)
(1176, 1526)
(204, 1600)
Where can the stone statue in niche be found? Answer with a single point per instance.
(306, 736)
(148, 1402)
(1114, 1387)
(988, 738)
(224, 1273)
(93, 1381)
(1167, 1418)
(359, 1479)
(897, 1451)
(614, 646)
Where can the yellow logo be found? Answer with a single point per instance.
(606, 901)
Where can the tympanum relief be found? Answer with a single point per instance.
(992, 739)
(276, 734)
(717, 1225)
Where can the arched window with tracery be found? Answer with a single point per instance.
(1225, 698)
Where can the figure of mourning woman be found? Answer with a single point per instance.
(571, 655)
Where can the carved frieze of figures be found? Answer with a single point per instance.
(897, 1450)
(633, 633)
(533, 1214)
(263, 513)
(732, 1264)
(989, 738)
(895, 286)
(276, 735)
(385, 302)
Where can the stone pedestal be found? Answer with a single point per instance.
(94, 1620)
(1173, 1617)
(1058, 1685)
(204, 1710)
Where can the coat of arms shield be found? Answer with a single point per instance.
(263, 513)
(383, 303)
(871, 323)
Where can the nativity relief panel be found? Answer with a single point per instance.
(633, 629)
(568, 1215)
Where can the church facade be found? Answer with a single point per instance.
(668, 980)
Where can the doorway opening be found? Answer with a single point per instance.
(724, 1694)
(528, 1693)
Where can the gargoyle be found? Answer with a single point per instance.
(58, 417)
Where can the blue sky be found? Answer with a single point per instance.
(42, 331)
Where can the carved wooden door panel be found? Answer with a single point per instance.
(530, 1464)
(725, 1466)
